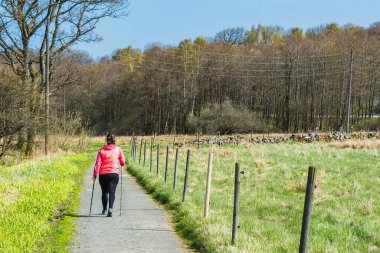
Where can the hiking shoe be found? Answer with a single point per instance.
(104, 211)
(109, 214)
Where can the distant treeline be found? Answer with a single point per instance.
(264, 79)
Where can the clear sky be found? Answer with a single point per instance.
(169, 21)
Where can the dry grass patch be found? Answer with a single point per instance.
(260, 164)
(319, 178)
(207, 151)
(296, 187)
(224, 152)
(343, 192)
(363, 144)
(9, 197)
(373, 249)
(301, 186)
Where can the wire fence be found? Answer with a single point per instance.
(136, 150)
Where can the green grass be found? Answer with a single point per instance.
(346, 206)
(34, 200)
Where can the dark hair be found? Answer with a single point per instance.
(110, 138)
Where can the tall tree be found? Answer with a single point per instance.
(22, 42)
(230, 36)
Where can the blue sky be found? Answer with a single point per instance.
(170, 21)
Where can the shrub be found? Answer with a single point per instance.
(69, 132)
(372, 124)
(225, 118)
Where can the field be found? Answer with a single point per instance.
(346, 206)
(38, 197)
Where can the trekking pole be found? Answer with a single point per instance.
(92, 194)
(121, 186)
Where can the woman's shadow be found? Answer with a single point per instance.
(92, 215)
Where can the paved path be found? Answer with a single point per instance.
(142, 227)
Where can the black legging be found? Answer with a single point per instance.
(108, 183)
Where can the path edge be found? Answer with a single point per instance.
(189, 229)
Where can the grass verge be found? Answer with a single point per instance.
(35, 198)
(192, 230)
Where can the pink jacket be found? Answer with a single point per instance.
(107, 160)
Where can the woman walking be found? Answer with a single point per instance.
(107, 167)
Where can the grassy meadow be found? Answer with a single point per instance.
(346, 205)
(36, 200)
(38, 196)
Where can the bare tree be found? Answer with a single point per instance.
(23, 39)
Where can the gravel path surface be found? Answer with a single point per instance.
(142, 227)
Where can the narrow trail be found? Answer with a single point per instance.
(142, 227)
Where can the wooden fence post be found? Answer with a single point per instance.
(158, 160)
(144, 153)
(174, 140)
(208, 186)
(186, 176)
(134, 151)
(132, 148)
(151, 156)
(175, 169)
(166, 163)
(307, 209)
(235, 221)
(141, 144)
